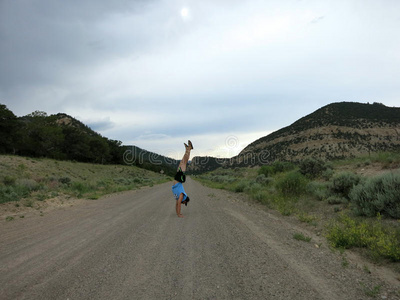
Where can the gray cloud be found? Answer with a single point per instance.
(47, 41)
(138, 70)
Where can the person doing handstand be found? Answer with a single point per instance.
(180, 177)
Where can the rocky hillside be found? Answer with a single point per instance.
(337, 130)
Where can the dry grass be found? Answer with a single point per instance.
(30, 183)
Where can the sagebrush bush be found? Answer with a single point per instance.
(334, 199)
(312, 168)
(65, 180)
(8, 193)
(240, 187)
(261, 196)
(292, 183)
(21, 189)
(342, 183)
(317, 189)
(253, 187)
(380, 194)
(81, 188)
(137, 180)
(327, 174)
(266, 171)
(261, 179)
(28, 184)
(9, 180)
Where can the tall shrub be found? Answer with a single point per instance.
(312, 168)
(342, 183)
(380, 194)
(292, 183)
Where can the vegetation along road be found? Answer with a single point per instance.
(131, 245)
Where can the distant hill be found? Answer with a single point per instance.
(134, 155)
(63, 137)
(337, 130)
(201, 164)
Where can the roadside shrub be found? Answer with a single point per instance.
(261, 196)
(253, 188)
(21, 189)
(240, 187)
(8, 193)
(8, 180)
(269, 180)
(261, 179)
(327, 174)
(342, 183)
(64, 180)
(380, 194)
(312, 168)
(292, 183)
(80, 188)
(317, 189)
(334, 199)
(266, 171)
(137, 180)
(121, 180)
(28, 184)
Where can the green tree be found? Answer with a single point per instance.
(76, 144)
(41, 137)
(8, 130)
(99, 150)
(116, 152)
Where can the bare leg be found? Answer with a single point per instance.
(185, 157)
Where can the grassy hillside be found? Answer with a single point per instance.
(337, 199)
(28, 182)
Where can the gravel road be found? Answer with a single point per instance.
(133, 246)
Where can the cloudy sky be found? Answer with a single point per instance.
(222, 73)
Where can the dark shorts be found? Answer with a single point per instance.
(180, 176)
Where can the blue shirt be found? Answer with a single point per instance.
(177, 190)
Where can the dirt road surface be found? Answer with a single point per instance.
(133, 246)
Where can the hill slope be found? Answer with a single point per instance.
(63, 137)
(337, 130)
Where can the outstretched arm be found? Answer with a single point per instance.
(178, 206)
